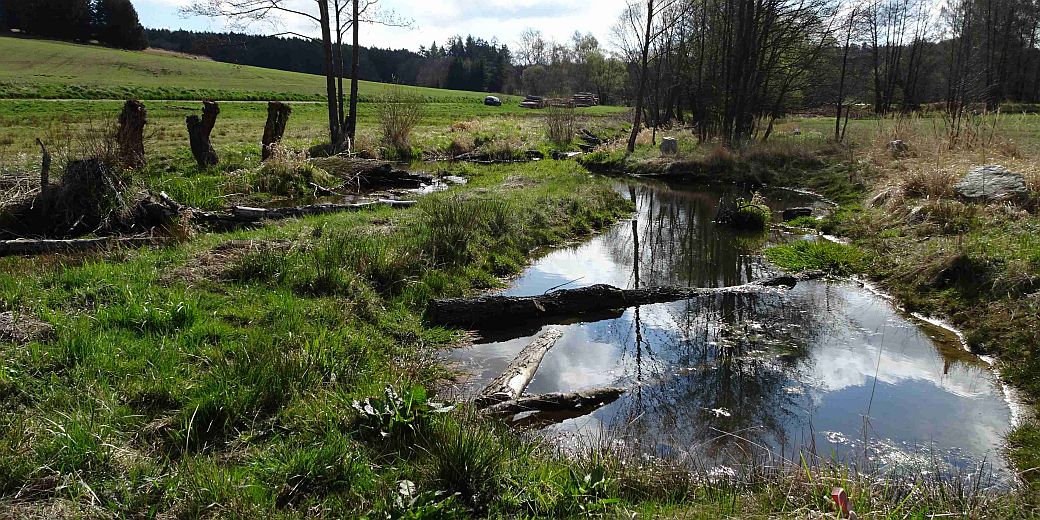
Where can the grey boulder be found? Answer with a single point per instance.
(991, 183)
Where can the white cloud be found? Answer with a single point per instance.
(434, 20)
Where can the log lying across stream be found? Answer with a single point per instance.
(497, 310)
(257, 214)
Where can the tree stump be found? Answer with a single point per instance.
(277, 118)
(45, 169)
(199, 131)
(669, 146)
(130, 135)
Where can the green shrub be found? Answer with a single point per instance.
(747, 214)
(804, 222)
(453, 227)
(285, 174)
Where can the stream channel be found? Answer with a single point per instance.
(829, 367)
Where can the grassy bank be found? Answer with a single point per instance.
(446, 127)
(286, 373)
(219, 377)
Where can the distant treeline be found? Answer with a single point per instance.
(111, 22)
(462, 64)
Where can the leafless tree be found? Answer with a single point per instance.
(332, 21)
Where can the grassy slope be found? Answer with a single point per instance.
(58, 70)
(89, 76)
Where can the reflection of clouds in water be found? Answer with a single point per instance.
(866, 326)
(782, 367)
(577, 363)
(589, 262)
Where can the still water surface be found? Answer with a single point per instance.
(827, 366)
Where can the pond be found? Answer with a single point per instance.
(829, 366)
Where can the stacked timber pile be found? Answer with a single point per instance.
(533, 102)
(585, 99)
(560, 103)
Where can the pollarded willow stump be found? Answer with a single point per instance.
(277, 118)
(199, 130)
(130, 135)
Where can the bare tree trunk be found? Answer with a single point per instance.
(130, 135)
(277, 118)
(340, 97)
(199, 131)
(841, 80)
(641, 91)
(355, 58)
(335, 136)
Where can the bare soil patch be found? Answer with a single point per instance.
(21, 328)
(212, 265)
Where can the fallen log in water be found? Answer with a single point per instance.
(360, 175)
(39, 247)
(499, 310)
(517, 376)
(257, 214)
(241, 216)
(586, 401)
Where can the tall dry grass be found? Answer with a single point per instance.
(398, 116)
(560, 125)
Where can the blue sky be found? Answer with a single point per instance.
(434, 20)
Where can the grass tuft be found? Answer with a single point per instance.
(823, 255)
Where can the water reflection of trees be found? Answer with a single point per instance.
(678, 239)
(697, 386)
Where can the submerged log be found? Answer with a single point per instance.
(586, 401)
(130, 135)
(517, 376)
(277, 118)
(199, 131)
(499, 310)
(38, 247)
